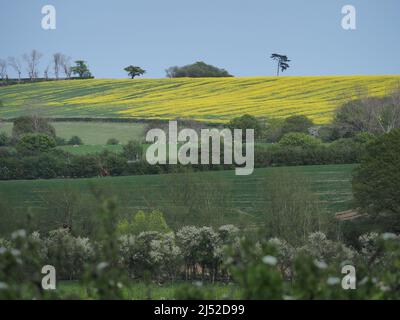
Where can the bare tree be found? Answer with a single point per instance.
(46, 72)
(32, 60)
(57, 63)
(368, 114)
(16, 65)
(66, 65)
(3, 69)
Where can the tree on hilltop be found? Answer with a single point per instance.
(283, 62)
(134, 71)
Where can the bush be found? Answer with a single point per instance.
(143, 222)
(133, 151)
(297, 123)
(196, 70)
(112, 141)
(68, 254)
(296, 139)
(32, 144)
(246, 122)
(75, 140)
(4, 139)
(60, 141)
(376, 183)
(32, 125)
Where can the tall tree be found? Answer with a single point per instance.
(32, 60)
(3, 69)
(283, 62)
(57, 63)
(81, 69)
(376, 182)
(134, 71)
(66, 66)
(16, 65)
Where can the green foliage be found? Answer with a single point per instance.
(20, 266)
(370, 114)
(294, 211)
(32, 124)
(296, 123)
(143, 222)
(5, 140)
(112, 141)
(134, 71)
(376, 183)
(75, 140)
(68, 254)
(31, 144)
(133, 151)
(81, 69)
(196, 70)
(296, 139)
(246, 122)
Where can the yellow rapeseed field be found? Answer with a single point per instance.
(205, 99)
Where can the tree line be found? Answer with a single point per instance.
(59, 65)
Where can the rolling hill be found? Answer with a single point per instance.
(205, 99)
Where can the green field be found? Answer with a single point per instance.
(93, 133)
(249, 203)
(203, 99)
(141, 291)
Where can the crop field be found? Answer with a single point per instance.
(92, 133)
(331, 183)
(206, 99)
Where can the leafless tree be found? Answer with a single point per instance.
(46, 72)
(32, 60)
(57, 63)
(369, 114)
(16, 65)
(66, 65)
(3, 69)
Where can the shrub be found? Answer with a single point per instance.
(143, 222)
(246, 122)
(75, 140)
(376, 183)
(31, 144)
(112, 141)
(32, 125)
(68, 254)
(60, 141)
(5, 140)
(196, 70)
(296, 139)
(296, 123)
(133, 151)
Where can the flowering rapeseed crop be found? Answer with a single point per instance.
(205, 99)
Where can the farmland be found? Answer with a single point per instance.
(248, 202)
(207, 99)
(92, 133)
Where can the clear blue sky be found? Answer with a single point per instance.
(238, 35)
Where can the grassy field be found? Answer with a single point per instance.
(331, 183)
(206, 99)
(86, 149)
(93, 133)
(141, 291)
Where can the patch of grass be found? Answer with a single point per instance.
(204, 99)
(142, 291)
(86, 149)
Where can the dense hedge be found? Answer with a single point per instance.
(59, 164)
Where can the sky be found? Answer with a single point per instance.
(238, 35)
